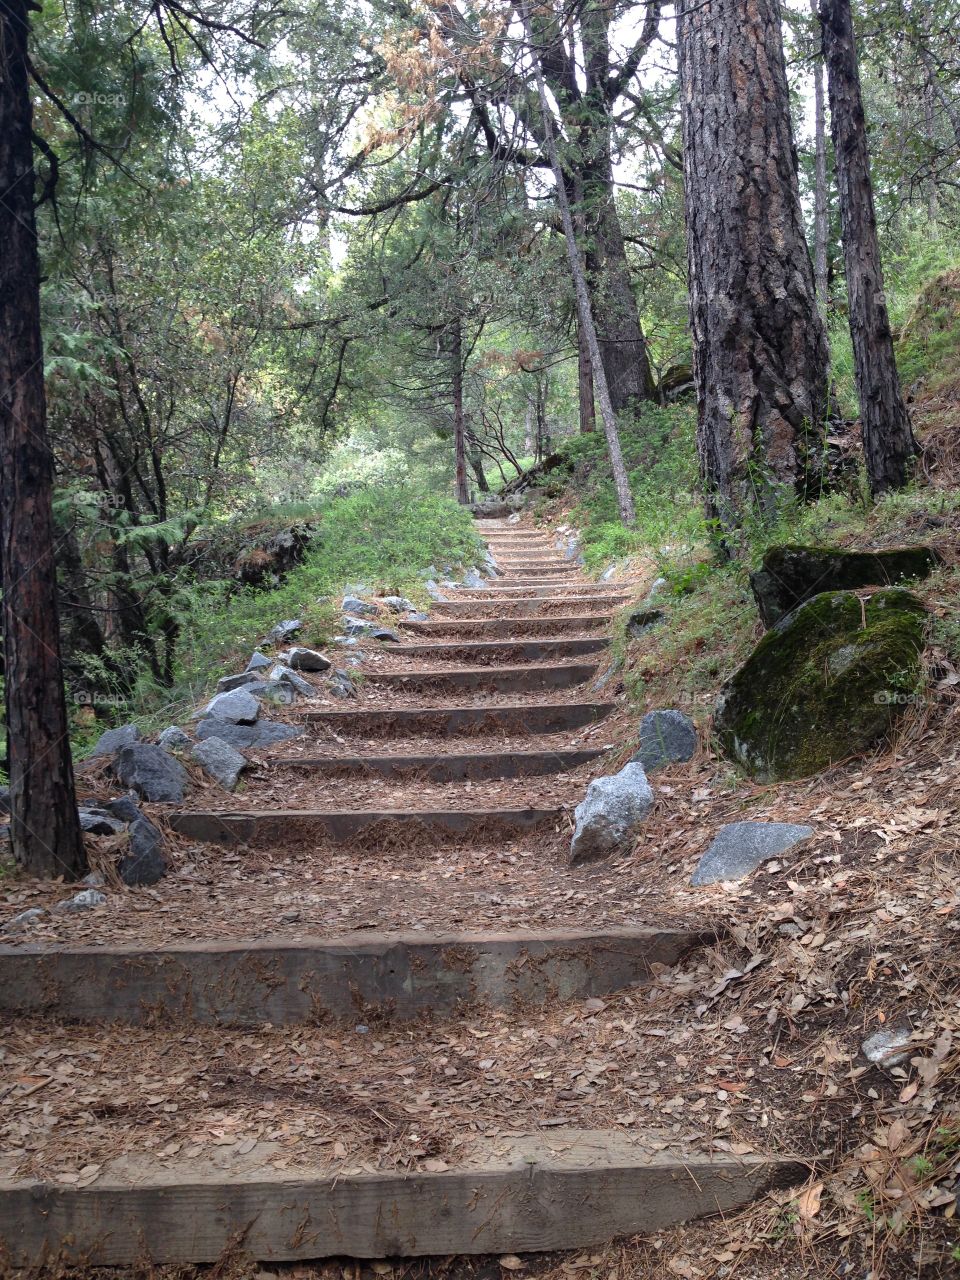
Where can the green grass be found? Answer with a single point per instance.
(383, 538)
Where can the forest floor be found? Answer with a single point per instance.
(751, 1044)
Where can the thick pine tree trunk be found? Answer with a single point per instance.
(44, 827)
(821, 204)
(888, 443)
(760, 349)
(588, 408)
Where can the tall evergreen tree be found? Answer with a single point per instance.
(760, 349)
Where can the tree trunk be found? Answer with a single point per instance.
(459, 425)
(760, 350)
(621, 482)
(888, 441)
(544, 443)
(588, 409)
(44, 827)
(821, 205)
(475, 458)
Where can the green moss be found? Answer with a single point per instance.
(826, 683)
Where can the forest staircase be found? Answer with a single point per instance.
(507, 664)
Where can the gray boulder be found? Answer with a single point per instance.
(226, 683)
(124, 808)
(301, 659)
(666, 737)
(741, 847)
(173, 738)
(258, 662)
(278, 692)
(341, 686)
(284, 631)
(283, 675)
(99, 822)
(152, 773)
(362, 608)
(244, 736)
(610, 813)
(144, 862)
(220, 761)
(110, 742)
(239, 706)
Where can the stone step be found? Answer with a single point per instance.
(559, 1189)
(504, 651)
(509, 627)
(490, 679)
(272, 827)
(558, 717)
(387, 976)
(527, 606)
(474, 766)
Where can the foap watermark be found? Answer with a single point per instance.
(95, 98)
(900, 698)
(95, 698)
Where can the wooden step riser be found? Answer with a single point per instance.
(278, 827)
(404, 722)
(515, 651)
(532, 607)
(511, 627)
(516, 590)
(528, 1195)
(482, 766)
(362, 977)
(490, 680)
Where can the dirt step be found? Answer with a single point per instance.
(491, 679)
(529, 606)
(274, 827)
(562, 1190)
(471, 766)
(505, 588)
(505, 651)
(556, 717)
(370, 976)
(540, 566)
(510, 627)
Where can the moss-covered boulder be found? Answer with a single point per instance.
(789, 575)
(826, 682)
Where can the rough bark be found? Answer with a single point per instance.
(888, 441)
(588, 408)
(44, 827)
(760, 348)
(821, 206)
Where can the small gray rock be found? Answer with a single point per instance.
(284, 631)
(666, 737)
(284, 675)
(341, 686)
(362, 608)
(385, 635)
(24, 917)
(473, 580)
(416, 616)
(82, 901)
(124, 808)
(354, 628)
(173, 738)
(610, 813)
(226, 683)
(608, 573)
(432, 590)
(278, 692)
(239, 706)
(890, 1047)
(110, 742)
(258, 662)
(99, 822)
(300, 659)
(94, 880)
(399, 604)
(144, 862)
(741, 847)
(152, 772)
(605, 677)
(220, 760)
(244, 736)
(642, 620)
(657, 587)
